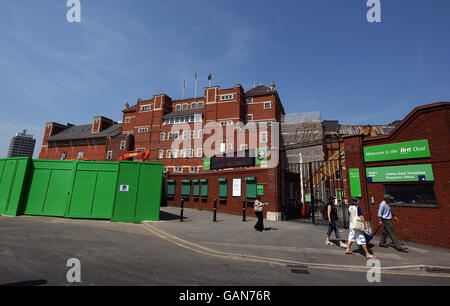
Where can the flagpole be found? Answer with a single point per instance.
(182, 89)
(196, 81)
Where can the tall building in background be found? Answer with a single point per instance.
(22, 145)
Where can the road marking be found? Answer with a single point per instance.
(285, 263)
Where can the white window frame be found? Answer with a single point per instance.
(142, 130)
(249, 100)
(63, 155)
(226, 97)
(222, 147)
(270, 105)
(162, 136)
(249, 116)
(229, 147)
(263, 137)
(169, 136)
(80, 154)
(200, 104)
(178, 169)
(127, 120)
(199, 152)
(123, 145)
(178, 107)
(200, 134)
(193, 105)
(190, 153)
(168, 154)
(183, 153)
(185, 106)
(185, 134)
(175, 153)
(193, 169)
(147, 107)
(176, 135)
(109, 155)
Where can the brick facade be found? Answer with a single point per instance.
(430, 225)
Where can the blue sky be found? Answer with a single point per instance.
(322, 54)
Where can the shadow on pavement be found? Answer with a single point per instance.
(26, 283)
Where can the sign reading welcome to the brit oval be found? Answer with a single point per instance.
(396, 151)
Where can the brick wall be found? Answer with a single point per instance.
(230, 205)
(420, 224)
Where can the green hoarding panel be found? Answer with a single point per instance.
(13, 176)
(149, 192)
(141, 198)
(355, 182)
(407, 173)
(397, 151)
(57, 193)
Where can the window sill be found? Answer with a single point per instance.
(414, 205)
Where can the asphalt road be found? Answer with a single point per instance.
(35, 251)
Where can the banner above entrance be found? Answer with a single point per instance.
(408, 173)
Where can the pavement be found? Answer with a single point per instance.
(294, 244)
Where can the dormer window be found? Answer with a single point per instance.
(146, 107)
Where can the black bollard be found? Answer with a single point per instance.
(182, 209)
(215, 211)
(244, 219)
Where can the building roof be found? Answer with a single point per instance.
(258, 90)
(184, 112)
(84, 132)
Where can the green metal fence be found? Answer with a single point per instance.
(120, 192)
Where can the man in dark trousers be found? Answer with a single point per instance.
(385, 214)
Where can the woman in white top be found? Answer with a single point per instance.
(354, 234)
(259, 207)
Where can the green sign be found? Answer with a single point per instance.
(206, 163)
(355, 182)
(308, 197)
(261, 156)
(260, 190)
(409, 173)
(396, 151)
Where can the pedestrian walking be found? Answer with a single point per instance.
(385, 214)
(357, 235)
(332, 217)
(259, 208)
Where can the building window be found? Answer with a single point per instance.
(267, 105)
(165, 169)
(200, 134)
(179, 169)
(200, 104)
(162, 136)
(191, 153)
(243, 147)
(249, 117)
(249, 100)
(194, 105)
(185, 134)
(169, 154)
(199, 152)
(226, 123)
(175, 153)
(192, 134)
(178, 107)
(171, 120)
(143, 130)
(263, 137)
(185, 106)
(161, 154)
(169, 136)
(127, 120)
(229, 147)
(109, 155)
(176, 135)
(80, 155)
(146, 107)
(412, 194)
(123, 145)
(222, 147)
(63, 155)
(193, 169)
(226, 97)
(183, 153)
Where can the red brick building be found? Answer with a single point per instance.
(412, 163)
(178, 133)
(94, 141)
